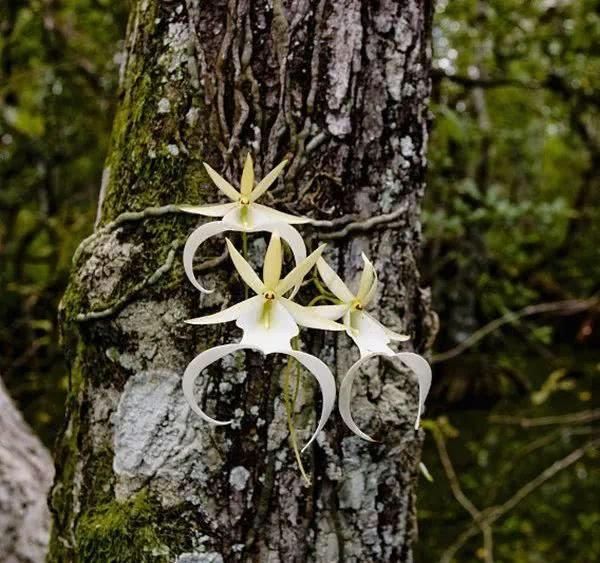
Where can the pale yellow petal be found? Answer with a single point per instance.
(272, 263)
(266, 182)
(367, 279)
(270, 215)
(296, 276)
(307, 317)
(244, 269)
(210, 210)
(247, 183)
(222, 184)
(334, 282)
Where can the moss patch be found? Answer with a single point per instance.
(123, 532)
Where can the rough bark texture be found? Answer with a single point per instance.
(26, 473)
(342, 87)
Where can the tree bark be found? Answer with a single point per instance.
(25, 477)
(341, 87)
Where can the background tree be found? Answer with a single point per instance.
(342, 88)
(25, 479)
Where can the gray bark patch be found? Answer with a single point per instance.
(156, 436)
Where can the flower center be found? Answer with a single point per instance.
(357, 305)
(244, 200)
(269, 295)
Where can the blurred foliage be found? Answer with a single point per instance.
(511, 220)
(58, 72)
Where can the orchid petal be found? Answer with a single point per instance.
(326, 382)
(368, 295)
(334, 282)
(266, 182)
(393, 336)
(227, 315)
(247, 181)
(422, 370)
(193, 370)
(222, 184)
(272, 262)
(316, 367)
(244, 269)
(234, 218)
(368, 334)
(367, 280)
(372, 290)
(268, 325)
(193, 243)
(212, 210)
(296, 276)
(306, 316)
(269, 215)
(295, 241)
(416, 363)
(332, 312)
(345, 396)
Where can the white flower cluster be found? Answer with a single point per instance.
(270, 319)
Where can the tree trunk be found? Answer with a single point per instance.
(341, 87)
(25, 477)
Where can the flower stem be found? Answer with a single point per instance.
(289, 410)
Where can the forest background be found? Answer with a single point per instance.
(512, 238)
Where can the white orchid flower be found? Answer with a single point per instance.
(242, 214)
(269, 321)
(366, 331)
(371, 337)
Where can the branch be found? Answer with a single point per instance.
(498, 82)
(127, 217)
(461, 498)
(566, 307)
(494, 513)
(120, 304)
(581, 417)
(358, 226)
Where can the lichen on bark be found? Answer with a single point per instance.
(342, 87)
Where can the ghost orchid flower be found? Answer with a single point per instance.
(366, 331)
(269, 321)
(242, 214)
(371, 337)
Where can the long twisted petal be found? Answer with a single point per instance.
(195, 368)
(326, 382)
(316, 367)
(422, 370)
(193, 243)
(416, 363)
